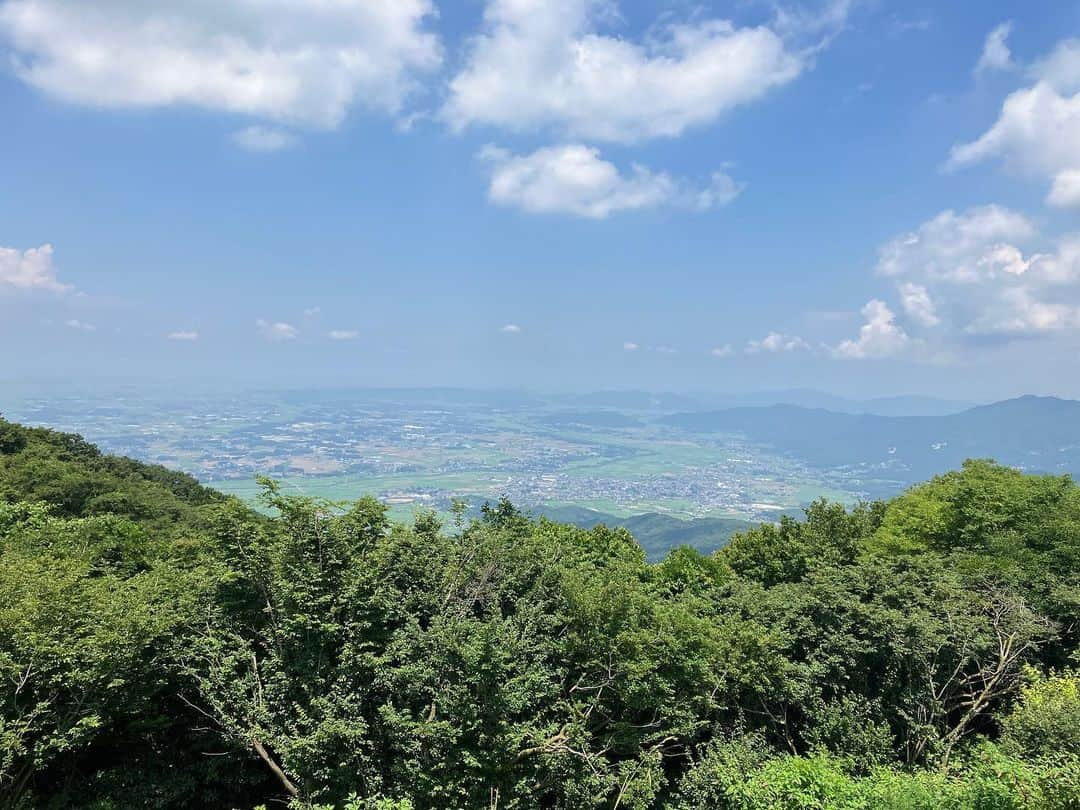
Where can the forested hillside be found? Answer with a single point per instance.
(164, 646)
(657, 534)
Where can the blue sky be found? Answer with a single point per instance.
(867, 197)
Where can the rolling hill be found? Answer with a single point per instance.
(656, 533)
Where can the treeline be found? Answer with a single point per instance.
(164, 646)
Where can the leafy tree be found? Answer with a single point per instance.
(1045, 723)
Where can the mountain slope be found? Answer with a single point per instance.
(78, 480)
(657, 534)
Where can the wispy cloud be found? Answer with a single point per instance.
(276, 331)
(263, 139)
(995, 53)
(775, 342)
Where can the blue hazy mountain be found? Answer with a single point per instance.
(1032, 433)
(914, 405)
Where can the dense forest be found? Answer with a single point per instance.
(162, 645)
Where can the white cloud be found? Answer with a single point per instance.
(630, 347)
(574, 179)
(880, 336)
(511, 329)
(981, 246)
(263, 139)
(1017, 312)
(972, 274)
(995, 53)
(1061, 69)
(1065, 191)
(545, 64)
(74, 323)
(827, 18)
(1062, 267)
(311, 312)
(276, 331)
(899, 25)
(344, 334)
(723, 351)
(1036, 131)
(959, 247)
(286, 60)
(184, 334)
(31, 269)
(722, 189)
(776, 342)
(665, 350)
(918, 304)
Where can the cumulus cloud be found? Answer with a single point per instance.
(276, 331)
(344, 334)
(31, 269)
(574, 179)
(83, 326)
(976, 266)
(918, 304)
(958, 247)
(547, 64)
(284, 60)
(1061, 69)
(977, 247)
(630, 346)
(880, 336)
(263, 139)
(995, 53)
(776, 342)
(723, 351)
(1065, 190)
(1036, 131)
(1062, 266)
(184, 335)
(1017, 312)
(511, 329)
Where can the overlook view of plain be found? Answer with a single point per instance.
(566, 404)
(680, 266)
(675, 468)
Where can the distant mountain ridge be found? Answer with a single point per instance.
(1029, 432)
(907, 405)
